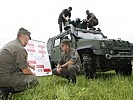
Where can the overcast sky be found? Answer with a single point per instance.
(40, 17)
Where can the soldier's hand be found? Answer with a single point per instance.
(66, 20)
(69, 20)
(58, 70)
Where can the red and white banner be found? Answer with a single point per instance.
(38, 56)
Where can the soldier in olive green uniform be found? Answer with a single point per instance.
(14, 70)
(69, 64)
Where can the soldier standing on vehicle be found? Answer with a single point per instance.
(14, 70)
(91, 20)
(69, 64)
(64, 17)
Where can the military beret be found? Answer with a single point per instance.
(25, 32)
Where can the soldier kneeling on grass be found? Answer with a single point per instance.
(15, 73)
(69, 63)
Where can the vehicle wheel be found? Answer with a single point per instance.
(124, 68)
(117, 71)
(88, 65)
(127, 70)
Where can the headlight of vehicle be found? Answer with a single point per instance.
(103, 45)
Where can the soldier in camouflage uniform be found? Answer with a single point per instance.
(14, 70)
(69, 64)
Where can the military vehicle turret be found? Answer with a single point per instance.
(97, 53)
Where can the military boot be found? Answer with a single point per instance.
(73, 78)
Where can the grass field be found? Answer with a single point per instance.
(107, 86)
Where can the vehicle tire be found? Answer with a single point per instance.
(127, 70)
(88, 64)
(124, 68)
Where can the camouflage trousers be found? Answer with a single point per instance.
(19, 81)
(92, 23)
(68, 72)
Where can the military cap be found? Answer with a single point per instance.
(24, 31)
(70, 8)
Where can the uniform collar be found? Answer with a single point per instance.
(19, 41)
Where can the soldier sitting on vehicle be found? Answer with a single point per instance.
(91, 20)
(69, 64)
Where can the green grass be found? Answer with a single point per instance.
(107, 86)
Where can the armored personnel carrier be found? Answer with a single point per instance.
(97, 53)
